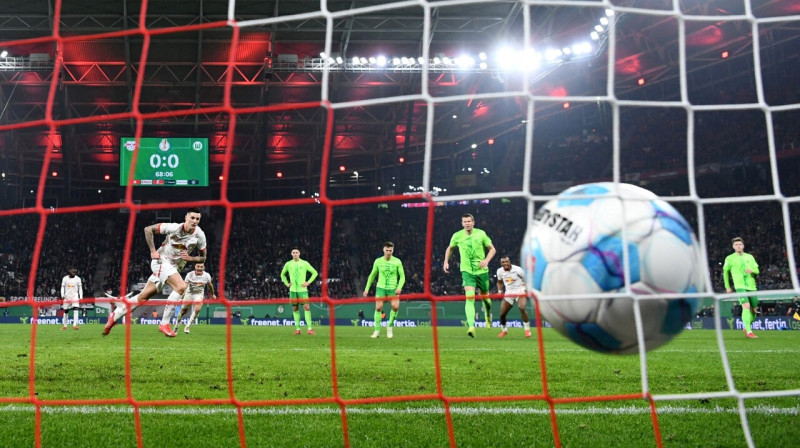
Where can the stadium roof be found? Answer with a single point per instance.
(277, 73)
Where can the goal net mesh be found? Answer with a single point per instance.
(696, 101)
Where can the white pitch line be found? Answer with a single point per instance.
(428, 410)
(515, 349)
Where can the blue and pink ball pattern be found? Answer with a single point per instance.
(584, 244)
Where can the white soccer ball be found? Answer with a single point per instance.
(574, 247)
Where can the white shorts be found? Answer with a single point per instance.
(512, 297)
(196, 298)
(70, 304)
(161, 272)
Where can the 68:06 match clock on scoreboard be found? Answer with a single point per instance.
(169, 162)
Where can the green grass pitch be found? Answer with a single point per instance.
(271, 368)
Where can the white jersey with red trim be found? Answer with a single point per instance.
(177, 241)
(71, 288)
(513, 280)
(196, 284)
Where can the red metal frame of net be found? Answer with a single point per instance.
(329, 204)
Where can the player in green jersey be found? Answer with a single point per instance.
(298, 281)
(391, 279)
(472, 244)
(742, 267)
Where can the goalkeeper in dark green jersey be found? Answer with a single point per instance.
(391, 279)
(472, 244)
(742, 267)
(298, 281)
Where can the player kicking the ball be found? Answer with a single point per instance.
(166, 262)
(196, 282)
(511, 282)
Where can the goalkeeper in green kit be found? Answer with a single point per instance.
(298, 281)
(742, 267)
(472, 244)
(391, 279)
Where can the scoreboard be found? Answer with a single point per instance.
(165, 162)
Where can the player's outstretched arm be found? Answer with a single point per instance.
(149, 231)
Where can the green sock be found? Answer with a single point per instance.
(378, 321)
(747, 319)
(308, 319)
(469, 308)
(392, 317)
(487, 307)
(296, 315)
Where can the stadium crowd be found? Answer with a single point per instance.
(260, 240)
(70, 240)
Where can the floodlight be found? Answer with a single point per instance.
(465, 61)
(551, 54)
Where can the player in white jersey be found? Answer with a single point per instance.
(511, 281)
(72, 293)
(196, 282)
(166, 262)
